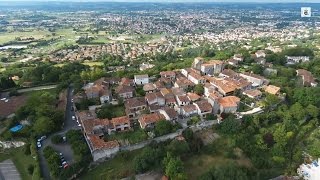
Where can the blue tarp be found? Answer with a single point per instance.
(16, 128)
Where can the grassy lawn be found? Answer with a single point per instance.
(93, 63)
(119, 167)
(10, 36)
(85, 63)
(131, 136)
(110, 111)
(20, 160)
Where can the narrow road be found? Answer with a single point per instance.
(64, 148)
(36, 88)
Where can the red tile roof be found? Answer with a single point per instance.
(229, 101)
(147, 119)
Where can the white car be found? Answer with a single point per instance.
(73, 118)
(39, 144)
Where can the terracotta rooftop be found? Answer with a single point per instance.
(153, 96)
(229, 101)
(126, 81)
(146, 119)
(196, 76)
(124, 89)
(120, 120)
(229, 73)
(167, 73)
(135, 102)
(204, 106)
(97, 143)
(253, 92)
(177, 91)
(189, 108)
(307, 76)
(170, 112)
(193, 96)
(183, 98)
(166, 92)
(272, 89)
(149, 87)
(223, 84)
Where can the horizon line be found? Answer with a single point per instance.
(159, 1)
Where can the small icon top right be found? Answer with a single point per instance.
(306, 12)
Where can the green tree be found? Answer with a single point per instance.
(174, 168)
(178, 148)
(163, 127)
(230, 125)
(199, 89)
(43, 125)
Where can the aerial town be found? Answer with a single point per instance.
(115, 90)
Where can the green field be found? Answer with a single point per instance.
(10, 36)
(85, 63)
(20, 160)
(119, 167)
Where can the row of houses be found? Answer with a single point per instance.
(168, 98)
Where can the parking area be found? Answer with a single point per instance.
(8, 171)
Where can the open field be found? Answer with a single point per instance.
(119, 167)
(10, 36)
(20, 160)
(85, 63)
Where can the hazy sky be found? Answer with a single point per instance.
(259, 1)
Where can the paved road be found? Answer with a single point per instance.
(9, 171)
(64, 148)
(36, 88)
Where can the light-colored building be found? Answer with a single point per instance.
(271, 89)
(255, 79)
(229, 104)
(168, 74)
(260, 54)
(188, 110)
(125, 92)
(253, 93)
(307, 78)
(150, 120)
(141, 79)
(196, 78)
(310, 171)
(169, 113)
(204, 108)
(212, 67)
(297, 59)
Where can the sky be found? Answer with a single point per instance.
(258, 1)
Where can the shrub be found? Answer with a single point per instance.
(30, 169)
(27, 150)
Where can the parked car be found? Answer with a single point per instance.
(43, 138)
(39, 144)
(66, 166)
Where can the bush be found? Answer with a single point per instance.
(163, 127)
(30, 169)
(27, 150)
(56, 139)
